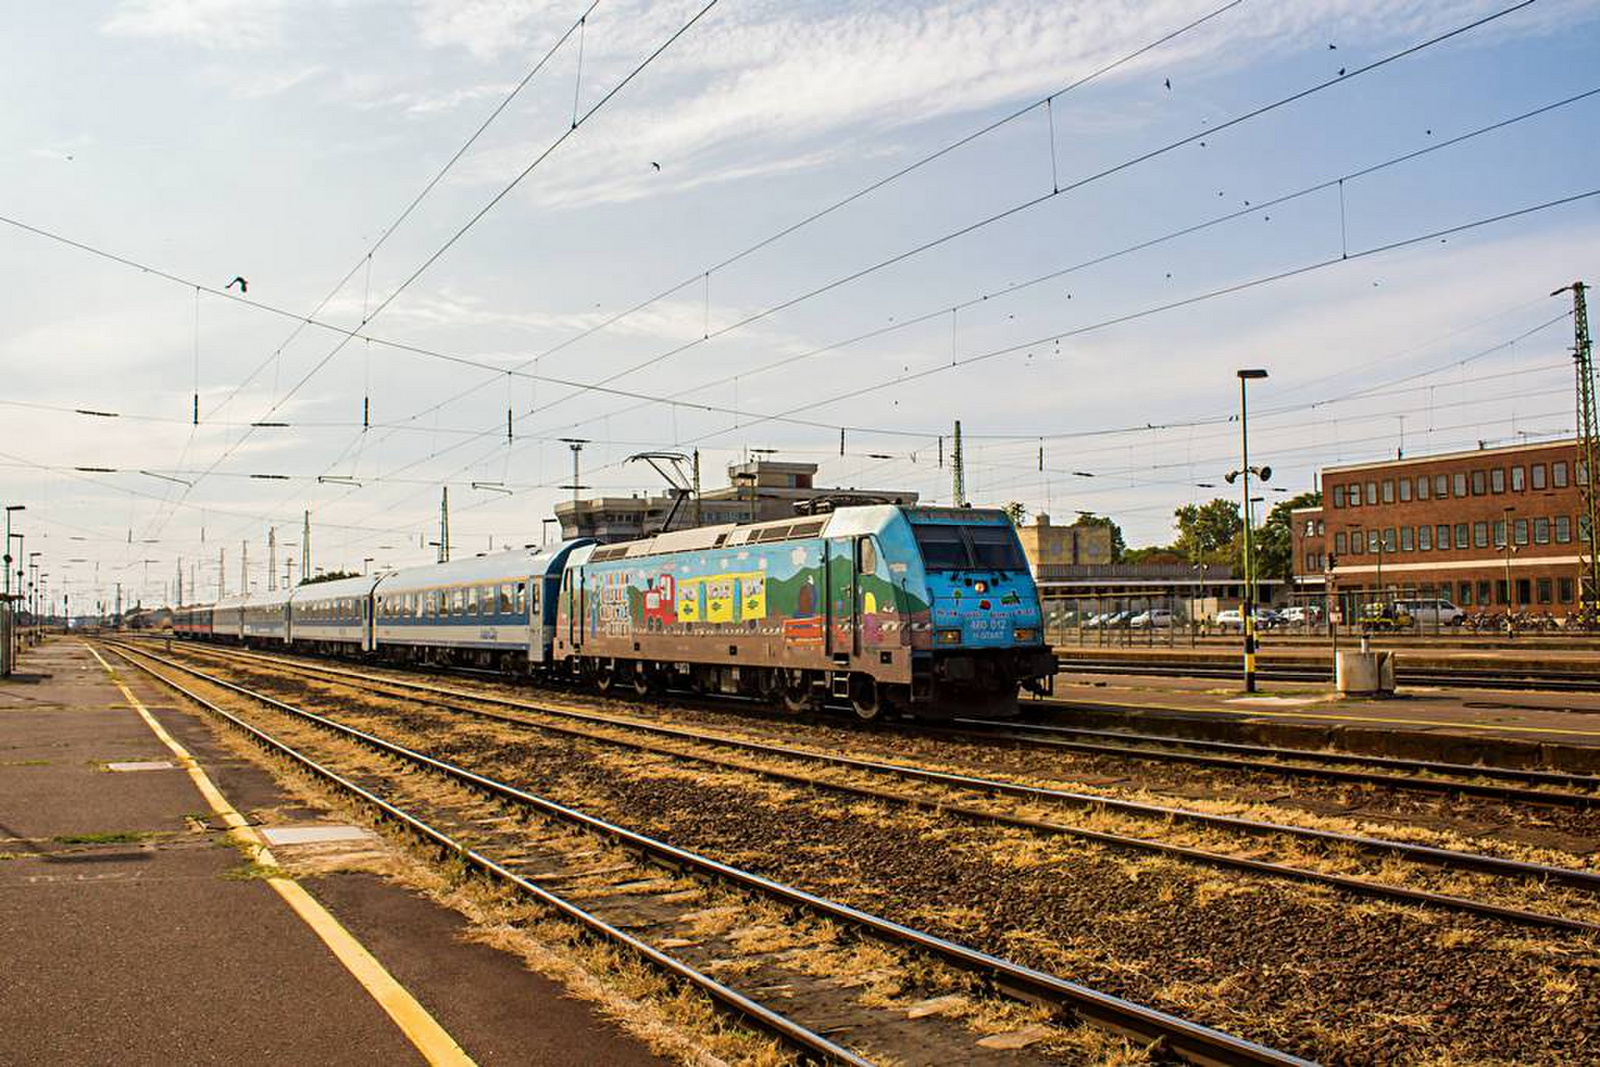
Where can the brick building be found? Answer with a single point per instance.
(1438, 526)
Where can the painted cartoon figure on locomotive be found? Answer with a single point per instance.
(920, 610)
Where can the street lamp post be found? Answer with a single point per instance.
(8, 645)
(1249, 627)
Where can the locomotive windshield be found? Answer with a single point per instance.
(969, 548)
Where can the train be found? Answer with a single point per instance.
(928, 612)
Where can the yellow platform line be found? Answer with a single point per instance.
(1387, 721)
(419, 1026)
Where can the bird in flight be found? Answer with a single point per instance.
(244, 286)
(1169, 85)
(655, 165)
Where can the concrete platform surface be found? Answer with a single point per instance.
(134, 935)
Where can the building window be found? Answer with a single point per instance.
(1541, 531)
(1389, 542)
(1464, 594)
(1524, 591)
(1358, 544)
(1406, 535)
(1311, 527)
(1388, 491)
(1479, 484)
(1424, 538)
(1319, 528)
(1520, 531)
(1538, 476)
(1480, 535)
(1372, 493)
(1519, 479)
(1405, 490)
(1338, 544)
(1544, 590)
(1461, 535)
(1497, 480)
(1566, 590)
(1311, 563)
(1483, 592)
(1338, 496)
(1558, 475)
(1441, 539)
(1461, 483)
(1422, 487)
(1372, 541)
(1441, 486)
(1563, 529)
(1499, 533)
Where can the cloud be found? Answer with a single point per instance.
(204, 23)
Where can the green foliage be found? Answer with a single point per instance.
(1274, 542)
(330, 576)
(1119, 547)
(1153, 554)
(1016, 511)
(1207, 532)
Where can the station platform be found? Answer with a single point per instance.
(1519, 728)
(136, 932)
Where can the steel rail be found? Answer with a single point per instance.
(754, 1010)
(1190, 1040)
(1464, 678)
(1481, 770)
(1420, 853)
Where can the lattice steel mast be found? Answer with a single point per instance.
(1588, 459)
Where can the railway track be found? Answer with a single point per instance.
(643, 903)
(962, 793)
(1455, 678)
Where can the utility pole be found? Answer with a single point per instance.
(272, 558)
(444, 525)
(958, 472)
(305, 547)
(222, 572)
(1588, 455)
(244, 568)
(699, 512)
(180, 582)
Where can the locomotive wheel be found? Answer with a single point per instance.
(796, 696)
(604, 679)
(644, 683)
(865, 699)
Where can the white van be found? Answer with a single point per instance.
(1431, 612)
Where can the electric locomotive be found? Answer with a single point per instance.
(924, 611)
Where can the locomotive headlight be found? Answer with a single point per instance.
(949, 637)
(1025, 635)
(980, 587)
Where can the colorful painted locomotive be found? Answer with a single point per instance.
(925, 611)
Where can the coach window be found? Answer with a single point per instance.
(1459, 481)
(1558, 475)
(1541, 531)
(1538, 476)
(1479, 483)
(1563, 529)
(1461, 535)
(1424, 538)
(1519, 479)
(1388, 491)
(1338, 496)
(1497, 480)
(1520, 531)
(1405, 490)
(1480, 535)
(1406, 534)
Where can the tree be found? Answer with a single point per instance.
(330, 576)
(1274, 542)
(1206, 531)
(1119, 547)
(1016, 511)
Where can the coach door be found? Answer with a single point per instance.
(842, 605)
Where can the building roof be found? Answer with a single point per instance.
(1443, 457)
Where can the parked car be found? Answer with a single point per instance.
(1230, 619)
(1302, 615)
(1117, 620)
(1155, 618)
(1432, 611)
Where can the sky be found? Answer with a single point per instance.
(751, 225)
